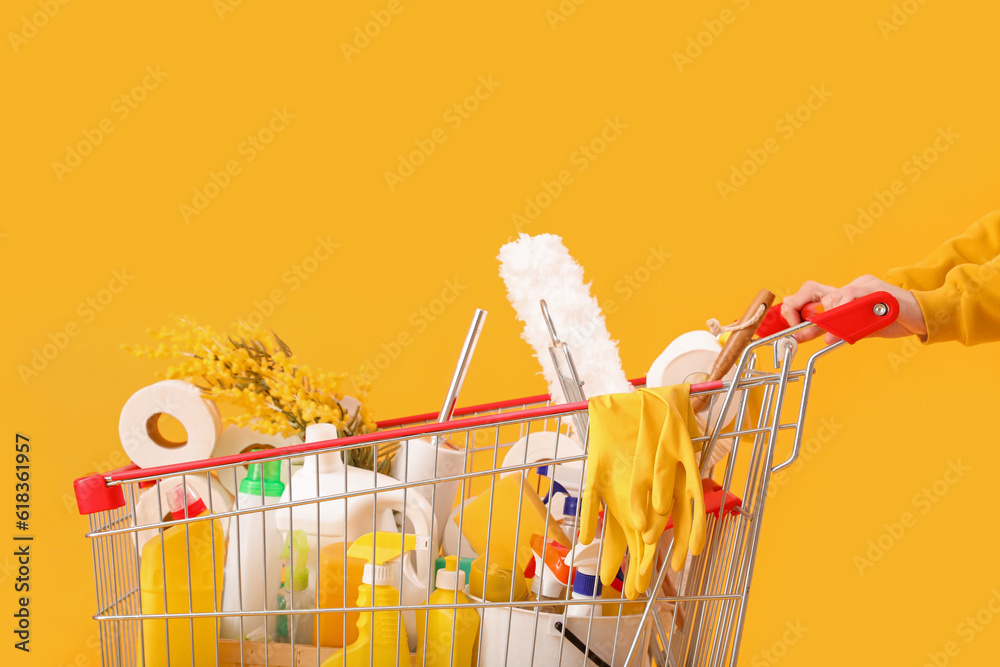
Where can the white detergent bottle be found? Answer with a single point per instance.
(346, 519)
(586, 583)
(253, 559)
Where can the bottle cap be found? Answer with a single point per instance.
(184, 502)
(570, 507)
(450, 578)
(546, 585)
(328, 462)
(271, 483)
(379, 575)
(586, 585)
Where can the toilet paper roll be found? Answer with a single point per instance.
(149, 511)
(239, 440)
(686, 356)
(541, 446)
(140, 435)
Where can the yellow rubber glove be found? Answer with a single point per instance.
(641, 462)
(614, 431)
(666, 472)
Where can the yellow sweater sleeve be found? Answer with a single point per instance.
(957, 285)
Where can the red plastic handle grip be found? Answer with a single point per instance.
(851, 321)
(774, 321)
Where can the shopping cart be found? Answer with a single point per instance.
(694, 618)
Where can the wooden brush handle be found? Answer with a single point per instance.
(734, 345)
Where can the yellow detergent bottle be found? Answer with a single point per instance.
(339, 579)
(451, 633)
(381, 638)
(164, 576)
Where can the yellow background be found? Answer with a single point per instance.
(654, 186)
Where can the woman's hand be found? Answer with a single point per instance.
(909, 323)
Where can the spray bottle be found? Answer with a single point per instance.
(451, 633)
(254, 556)
(586, 583)
(552, 575)
(333, 519)
(381, 638)
(295, 593)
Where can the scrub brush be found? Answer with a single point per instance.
(537, 268)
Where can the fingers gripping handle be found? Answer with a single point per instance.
(851, 321)
(774, 321)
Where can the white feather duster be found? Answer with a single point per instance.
(540, 267)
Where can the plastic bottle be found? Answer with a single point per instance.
(451, 633)
(253, 561)
(586, 583)
(295, 593)
(164, 576)
(552, 575)
(565, 509)
(346, 519)
(338, 587)
(381, 638)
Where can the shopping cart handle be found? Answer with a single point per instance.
(774, 321)
(717, 501)
(850, 322)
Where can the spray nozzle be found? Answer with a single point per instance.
(297, 551)
(380, 549)
(583, 557)
(552, 575)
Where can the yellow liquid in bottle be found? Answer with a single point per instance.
(338, 588)
(169, 561)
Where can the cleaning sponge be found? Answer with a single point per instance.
(540, 267)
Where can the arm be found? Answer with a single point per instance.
(966, 308)
(953, 294)
(977, 245)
